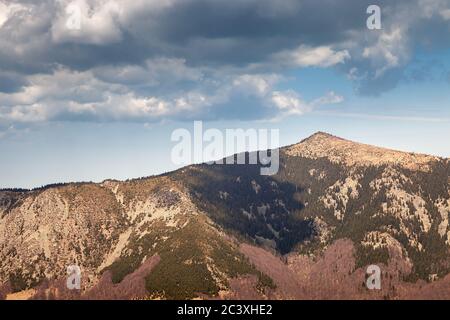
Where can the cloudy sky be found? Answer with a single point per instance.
(98, 97)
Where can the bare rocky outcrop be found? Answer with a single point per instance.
(349, 153)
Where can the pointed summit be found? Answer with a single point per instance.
(349, 153)
(319, 135)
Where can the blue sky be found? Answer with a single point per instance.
(102, 101)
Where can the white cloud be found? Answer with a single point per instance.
(7, 10)
(162, 69)
(290, 103)
(101, 21)
(389, 51)
(445, 14)
(255, 84)
(68, 95)
(304, 56)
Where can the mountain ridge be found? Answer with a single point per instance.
(323, 136)
(352, 153)
(224, 231)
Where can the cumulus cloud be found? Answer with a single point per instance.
(290, 102)
(147, 60)
(88, 23)
(305, 56)
(255, 84)
(69, 95)
(7, 10)
(388, 52)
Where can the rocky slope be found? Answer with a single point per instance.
(225, 231)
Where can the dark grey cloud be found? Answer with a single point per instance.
(201, 31)
(12, 82)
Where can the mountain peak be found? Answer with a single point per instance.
(319, 135)
(350, 153)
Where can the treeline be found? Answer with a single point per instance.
(46, 187)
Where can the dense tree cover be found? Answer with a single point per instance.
(186, 253)
(301, 184)
(241, 200)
